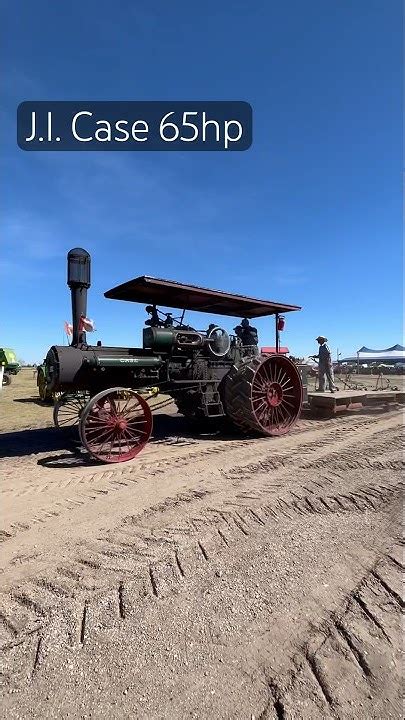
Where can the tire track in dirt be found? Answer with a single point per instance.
(137, 534)
(162, 546)
(338, 671)
(87, 619)
(123, 552)
(242, 476)
(37, 483)
(89, 487)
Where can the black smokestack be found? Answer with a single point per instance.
(78, 279)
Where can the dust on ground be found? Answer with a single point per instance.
(212, 577)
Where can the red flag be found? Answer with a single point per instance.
(86, 325)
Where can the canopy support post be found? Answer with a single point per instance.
(277, 336)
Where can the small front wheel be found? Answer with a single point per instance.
(68, 409)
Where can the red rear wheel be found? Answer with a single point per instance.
(115, 425)
(264, 395)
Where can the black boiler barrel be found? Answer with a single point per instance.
(75, 368)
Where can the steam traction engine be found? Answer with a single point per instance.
(209, 373)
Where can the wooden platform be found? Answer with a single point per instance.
(328, 402)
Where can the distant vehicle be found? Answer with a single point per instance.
(45, 394)
(11, 365)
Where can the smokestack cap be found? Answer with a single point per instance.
(78, 269)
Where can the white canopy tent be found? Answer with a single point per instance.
(394, 354)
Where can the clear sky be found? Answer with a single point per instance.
(310, 215)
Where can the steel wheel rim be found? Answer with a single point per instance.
(116, 425)
(68, 410)
(276, 395)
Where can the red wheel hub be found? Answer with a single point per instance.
(118, 424)
(274, 394)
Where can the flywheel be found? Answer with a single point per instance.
(263, 395)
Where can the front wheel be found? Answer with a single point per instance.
(115, 425)
(68, 409)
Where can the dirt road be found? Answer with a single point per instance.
(213, 577)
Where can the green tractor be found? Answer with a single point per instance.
(44, 393)
(8, 358)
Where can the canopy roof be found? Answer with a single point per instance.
(396, 353)
(155, 291)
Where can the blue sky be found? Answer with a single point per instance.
(310, 215)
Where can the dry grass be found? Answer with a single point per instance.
(20, 405)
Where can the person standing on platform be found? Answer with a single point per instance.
(325, 367)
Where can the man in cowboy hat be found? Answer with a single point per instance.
(325, 365)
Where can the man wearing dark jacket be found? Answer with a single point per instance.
(154, 320)
(246, 333)
(325, 367)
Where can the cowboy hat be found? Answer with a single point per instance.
(322, 337)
